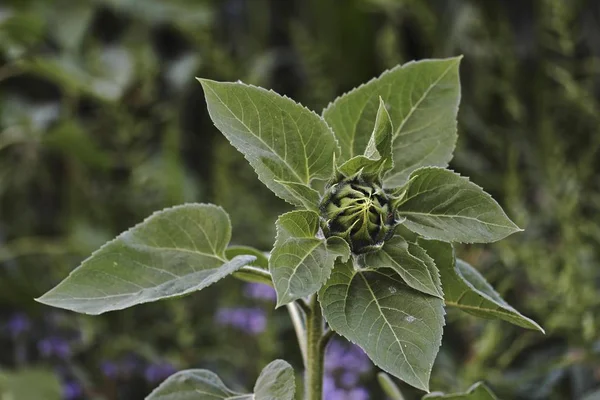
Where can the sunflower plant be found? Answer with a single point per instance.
(366, 253)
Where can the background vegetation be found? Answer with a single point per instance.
(102, 123)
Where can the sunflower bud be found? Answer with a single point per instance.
(360, 212)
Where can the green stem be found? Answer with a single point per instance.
(315, 351)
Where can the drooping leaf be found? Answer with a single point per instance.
(422, 99)
(377, 157)
(465, 288)
(173, 252)
(399, 328)
(478, 391)
(410, 262)
(287, 144)
(301, 262)
(440, 204)
(276, 382)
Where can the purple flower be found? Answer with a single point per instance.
(18, 324)
(71, 390)
(358, 393)
(251, 320)
(158, 372)
(349, 379)
(260, 291)
(109, 369)
(344, 365)
(54, 346)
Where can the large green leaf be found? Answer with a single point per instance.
(476, 392)
(399, 328)
(173, 252)
(378, 154)
(287, 144)
(276, 382)
(416, 268)
(301, 262)
(465, 288)
(440, 204)
(422, 99)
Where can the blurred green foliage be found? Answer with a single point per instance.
(102, 123)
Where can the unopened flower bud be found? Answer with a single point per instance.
(360, 212)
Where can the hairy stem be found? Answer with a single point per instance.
(315, 353)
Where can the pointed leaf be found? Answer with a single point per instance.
(399, 328)
(440, 204)
(276, 382)
(173, 252)
(476, 392)
(410, 262)
(422, 99)
(378, 154)
(301, 262)
(465, 288)
(282, 140)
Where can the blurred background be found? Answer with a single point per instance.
(102, 123)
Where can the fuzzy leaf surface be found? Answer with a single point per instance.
(422, 99)
(276, 382)
(416, 268)
(287, 144)
(378, 154)
(399, 328)
(173, 252)
(301, 262)
(440, 204)
(467, 289)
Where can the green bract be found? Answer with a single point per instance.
(360, 212)
(371, 253)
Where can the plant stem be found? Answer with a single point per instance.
(299, 326)
(315, 351)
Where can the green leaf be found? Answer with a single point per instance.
(465, 288)
(301, 262)
(416, 268)
(308, 196)
(389, 387)
(440, 204)
(378, 153)
(173, 252)
(422, 99)
(476, 392)
(276, 382)
(287, 144)
(399, 328)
